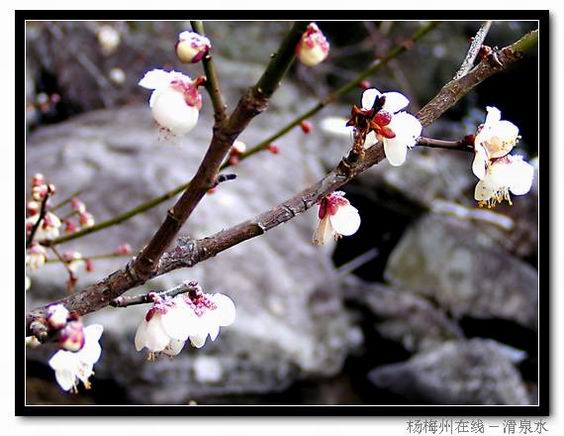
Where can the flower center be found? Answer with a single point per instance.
(189, 90)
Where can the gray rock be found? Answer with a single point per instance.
(464, 271)
(284, 329)
(474, 372)
(404, 317)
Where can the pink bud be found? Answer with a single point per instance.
(77, 205)
(192, 47)
(123, 249)
(70, 226)
(89, 265)
(37, 180)
(306, 127)
(274, 149)
(365, 84)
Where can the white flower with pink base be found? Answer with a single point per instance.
(175, 101)
(397, 129)
(74, 367)
(494, 139)
(192, 316)
(337, 218)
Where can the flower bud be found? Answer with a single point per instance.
(306, 127)
(274, 149)
(123, 249)
(32, 208)
(71, 337)
(117, 75)
(191, 47)
(57, 316)
(313, 48)
(89, 265)
(109, 39)
(77, 205)
(86, 219)
(37, 179)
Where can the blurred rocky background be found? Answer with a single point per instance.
(433, 301)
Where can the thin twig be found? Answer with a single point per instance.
(72, 277)
(65, 201)
(461, 145)
(42, 213)
(212, 82)
(187, 253)
(131, 300)
(474, 49)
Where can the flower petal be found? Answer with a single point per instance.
(369, 97)
(225, 312)
(156, 338)
(171, 111)
(480, 162)
(395, 101)
(178, 322)
(493, 115)
(66, 379)
(199, 340)
(485, 189)
(140, 335)
(323, 232)
(396, 151)
(346, 221)
(156, 79)
(63, 360)
(406, 127)
(522, 175)
(174, 347)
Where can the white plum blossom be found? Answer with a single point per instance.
(162, 328)
(74, 367)
(313, 47)
(207, 313)
(57, 316)
(48, 228)
(173, 321)
(494, 139)
(337, 218)
(175, 101)
(398, 130)
(506, 174)
(36, 256)
(192, 47)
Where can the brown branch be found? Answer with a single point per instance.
(458, 88)
(187, 253)
(131, 300)
(252, 103)
(461, 145)
(474, 49)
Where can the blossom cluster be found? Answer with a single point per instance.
(80, 348)
(499, 172)
(45, 224)
(171, 321)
